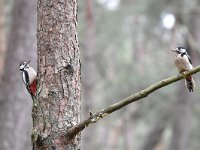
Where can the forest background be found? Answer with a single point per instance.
(125, 47)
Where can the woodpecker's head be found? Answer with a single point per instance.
(24, 65)
(180, 50)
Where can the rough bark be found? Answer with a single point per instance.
(15, 101)
(57, 107)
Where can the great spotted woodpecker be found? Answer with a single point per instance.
(29, 77)
(183, 63)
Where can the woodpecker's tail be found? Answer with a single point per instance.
(189, 82)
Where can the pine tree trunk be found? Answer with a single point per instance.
(57, 107)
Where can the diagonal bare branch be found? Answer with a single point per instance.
(122, 103)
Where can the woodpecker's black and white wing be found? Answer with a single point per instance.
(188, 56)
(25, 77)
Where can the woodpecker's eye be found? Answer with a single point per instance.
(181, 50)
(22, 66)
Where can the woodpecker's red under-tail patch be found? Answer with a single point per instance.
(33, 88)
(189, 82)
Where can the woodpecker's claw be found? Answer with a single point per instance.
(182, 73)
(90, 113)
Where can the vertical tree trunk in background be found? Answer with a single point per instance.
(57, 107)
(89, 72)
(193, 27)
(2, 36)
(15, 101)
(155, 134)
(89, 58)
(181, 119)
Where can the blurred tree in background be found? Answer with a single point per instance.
(2, 35)
(15, 101)
(125, 46)
(131, 42)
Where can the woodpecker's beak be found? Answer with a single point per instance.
(175, 50)
(28, 62)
